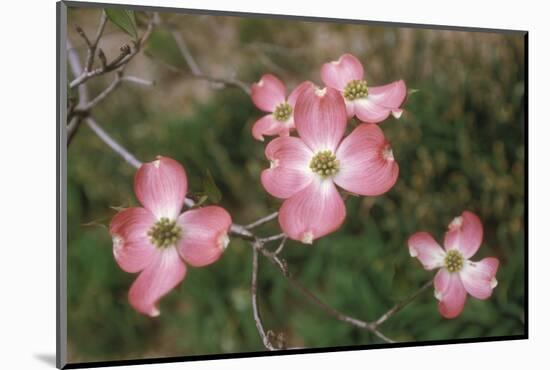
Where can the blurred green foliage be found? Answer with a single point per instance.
(459, 146)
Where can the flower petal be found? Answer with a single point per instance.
(164, 273)
(368, 111)
(269, 126)
(423, 246)
(204, 235)
(338, 73)
(289, 172)
(391, 95)
(367, 165)
(312, 213)
(131, 246)
(297, 91)
(465, 234)
(161, 186)
(479, 277)
(268, 93)
(320, 118)
(450, 292)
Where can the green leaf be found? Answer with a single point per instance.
(210, 188)
(125, 20)
(412, 91)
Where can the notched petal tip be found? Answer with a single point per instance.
(307, 238)
(438, 295)
(155, 312)
(456, 223)
(397, 113)
(320, 92)
(223, 241)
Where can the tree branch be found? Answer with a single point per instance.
(243, 232)
(125, 56)
(399, 305)
(262, 221)
(196, 70)
(254, 295)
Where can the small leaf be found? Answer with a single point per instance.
(210, 188)
(412, 91)
(125, 20)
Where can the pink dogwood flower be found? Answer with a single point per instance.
(158, 240)
(269, 95)
(305, 170)
(457, 275)
(369, 104)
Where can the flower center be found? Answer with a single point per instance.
(164, 233)
(454, 261)
(324, 163)
(356, 89)
(282, 112)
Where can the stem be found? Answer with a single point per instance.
(254, 296)
(262, 221)
(399, 305)
(119, 149)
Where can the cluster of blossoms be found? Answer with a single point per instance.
(306, 170)
(310, 160)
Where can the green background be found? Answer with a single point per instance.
(459, 145)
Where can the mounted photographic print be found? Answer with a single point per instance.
(237, 185)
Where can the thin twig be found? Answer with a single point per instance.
(281, 246)
(137, 80)
(273, 238)
(196, 70)
(93, 46)
(399, 305)
(125, 56)
(107, 139)
(112, 86)
(262, 221)
(254, 295)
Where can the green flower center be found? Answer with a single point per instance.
(164, 233)
(282, 112)
(454, 261)
(324, 163)
(356, 89)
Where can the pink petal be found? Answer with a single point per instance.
(320, 118)
(289, 171)
(479, 277)
(338, 73)
(465, 234)
(350, 108)
(423, 246)
(312, 213)
(164, 273)
(367, 165)
(390, 96)
(297, 91)
(269, 126)
(450, 292)
(368, 111)
(161, 186)
(268, 93)
(204, 235)
(131, 246)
